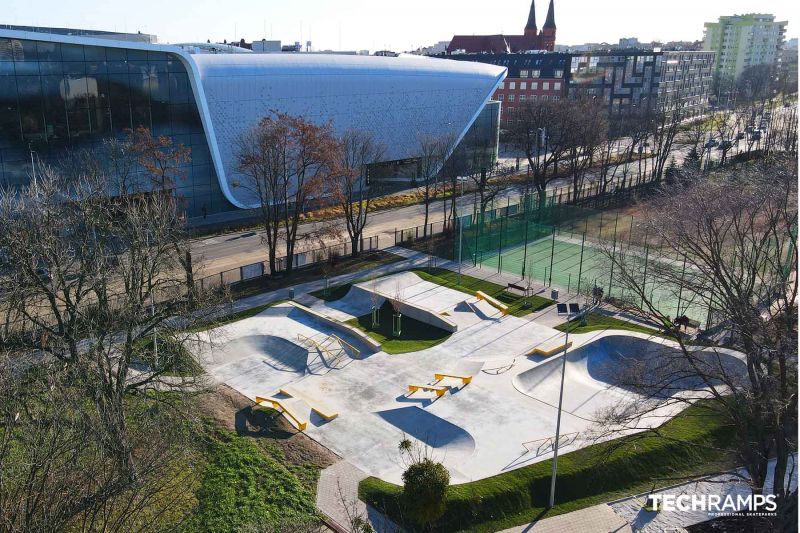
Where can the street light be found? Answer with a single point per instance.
(560, 400)
(461, 180)
(33, 164)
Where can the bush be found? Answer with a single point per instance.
(424, 490)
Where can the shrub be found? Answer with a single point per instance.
(424, 489)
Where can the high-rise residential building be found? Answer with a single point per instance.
(742, 41)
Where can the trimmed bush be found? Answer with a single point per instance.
(424, 490)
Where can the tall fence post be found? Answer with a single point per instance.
(552, 255)
(580, 266)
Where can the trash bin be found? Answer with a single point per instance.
(291, 293)
(554, 294)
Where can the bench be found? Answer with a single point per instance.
(317, 407)
(520, 288)
(491, 301)
(562, 309)
(284, 407)
(574, 308)
(464, 379)
(438, 389)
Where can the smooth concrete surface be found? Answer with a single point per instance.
(476, 430)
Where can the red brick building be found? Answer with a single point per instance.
(532, 38)
(537, 76)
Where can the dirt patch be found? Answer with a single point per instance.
(234, 412)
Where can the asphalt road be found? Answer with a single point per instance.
(223, 252)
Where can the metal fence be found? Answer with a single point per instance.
(591, 196)
(299, 260)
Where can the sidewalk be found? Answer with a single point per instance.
(597, 519)
(337, 497)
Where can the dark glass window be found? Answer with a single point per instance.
(49, 51)
(72, 52)
(56, 95)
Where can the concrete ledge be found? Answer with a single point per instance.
(551, 350)
(341, 326)
(503, 308)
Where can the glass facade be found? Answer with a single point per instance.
(57, 96)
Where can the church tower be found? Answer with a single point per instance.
(530, 28)
(549, 29)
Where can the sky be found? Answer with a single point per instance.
(380, 24)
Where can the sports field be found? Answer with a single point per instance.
(571, 263)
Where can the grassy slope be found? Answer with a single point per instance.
(415, 335)
(333, 293)
(246, 483)
(584, 478)
(599, 322)
(518, 305)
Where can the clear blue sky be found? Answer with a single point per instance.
(377, 24)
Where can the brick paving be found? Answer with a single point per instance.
(596, 519)
(337, 497)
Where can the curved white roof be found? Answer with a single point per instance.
(398, 99)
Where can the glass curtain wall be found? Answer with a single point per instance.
(57, 96)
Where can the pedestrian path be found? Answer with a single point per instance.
(337, 498)
(596, 519)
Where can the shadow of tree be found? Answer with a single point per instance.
(260, 423)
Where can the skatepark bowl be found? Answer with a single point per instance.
(616, 367)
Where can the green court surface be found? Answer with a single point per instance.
(564, 263)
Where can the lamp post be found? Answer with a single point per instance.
(558, 418)
(460, 226)
(33, 164)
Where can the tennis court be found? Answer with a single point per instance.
(558, 256)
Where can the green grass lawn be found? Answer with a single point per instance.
(599, 322)
(415, 335)
(517, 305)
(246, 484)
(234, 317)
(691, 447)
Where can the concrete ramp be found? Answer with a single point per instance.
(432, 430)
(612, 368)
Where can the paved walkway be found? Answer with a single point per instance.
(597, 519)
(337, 497)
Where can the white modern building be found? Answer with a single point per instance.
(59, 91)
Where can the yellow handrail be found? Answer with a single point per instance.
(345, 343)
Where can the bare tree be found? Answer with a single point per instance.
(87, 281)
(536, 131)
(287, 162)
(432, 152)
(584, 130)
(666, 124)
(736, 237)
(351, 191)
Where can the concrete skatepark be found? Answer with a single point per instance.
(355, 399)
